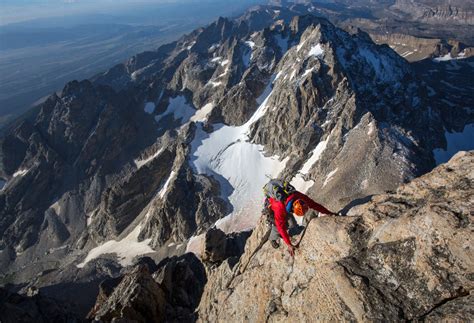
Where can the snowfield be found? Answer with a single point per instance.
(299, 181)
(179, 108)
(129, 247)
(125, 249)
(317, 51)
(203, 113)
(239, 165)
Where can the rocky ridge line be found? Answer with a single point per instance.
(402, 256)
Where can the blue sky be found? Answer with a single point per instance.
(12, 11)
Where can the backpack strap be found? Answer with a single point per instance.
(289, 206)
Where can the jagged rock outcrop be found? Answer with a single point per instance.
(218, 246)
(137, 297)
(402, 256)
(354, 100)
(168, 292)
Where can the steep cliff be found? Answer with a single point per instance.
(406, 255)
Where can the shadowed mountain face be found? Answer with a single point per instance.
(155, 151)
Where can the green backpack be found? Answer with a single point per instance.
(278, 189)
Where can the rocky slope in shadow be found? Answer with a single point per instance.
(405, 255)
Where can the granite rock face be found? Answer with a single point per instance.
(219, 246)
(402, 256)
(137, 297)
(169, 291)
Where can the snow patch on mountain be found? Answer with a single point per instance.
(140, 71)
(164, 189)
(125, 249)
(194, 244)
(456, 141)
(300, 45)
(329, 177)
(448, 57)
(179, 108)
(250, 44)
(316, 50)
(149, 107)
(223, 73)
(315, 156)
(21, 172)
(299, 181)
(203, 113)
(190, 45)
(262, 98)
(141, 162)
(308, 71)
(214, 83)
(214, 47)
(90, 216)
(56, 207)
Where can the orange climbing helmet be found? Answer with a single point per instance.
(300, 207)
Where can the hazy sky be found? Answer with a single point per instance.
(12, 11)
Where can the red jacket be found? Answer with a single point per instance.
(279, 211)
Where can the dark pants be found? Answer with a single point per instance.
(290, 223)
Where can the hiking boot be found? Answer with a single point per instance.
(275, 244)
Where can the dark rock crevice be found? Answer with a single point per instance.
(460, 293)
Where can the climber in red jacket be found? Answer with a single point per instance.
(296, 203)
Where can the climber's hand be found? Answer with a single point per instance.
(291, 250)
